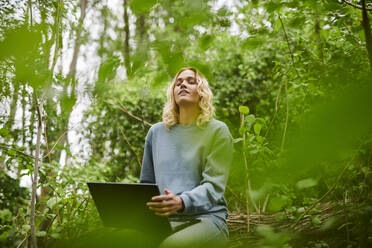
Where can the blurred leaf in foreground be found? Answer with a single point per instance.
(329, 133)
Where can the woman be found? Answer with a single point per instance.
(188, 156)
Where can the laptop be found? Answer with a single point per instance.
(123, 205)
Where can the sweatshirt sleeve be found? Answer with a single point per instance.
(147, 169)
(215, 173)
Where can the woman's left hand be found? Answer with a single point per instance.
(165, 205)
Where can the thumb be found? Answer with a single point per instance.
(167, 192)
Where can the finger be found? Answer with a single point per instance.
(168, 192)
(171, 209)
(160, 198)
(155, 204)
(164, 214)
(160, 210)
(160, 204)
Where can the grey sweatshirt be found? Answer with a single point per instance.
(191, 162)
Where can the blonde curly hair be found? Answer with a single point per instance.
(171, 110)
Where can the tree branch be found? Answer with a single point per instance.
(127, 112)
(287, 40)
(20, 244)
(286, 117)
(355, 6)
(131, 147)
(235, 195)
(50, 160)
(327, 193)
(51, 150)
(13, 149)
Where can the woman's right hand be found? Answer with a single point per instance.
(165, 205)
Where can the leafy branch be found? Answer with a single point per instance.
(356, 6)
(131, 147)
(327, 193)
(122, 108)
(8, 148)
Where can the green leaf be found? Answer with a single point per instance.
(306, 183)
(257, 128)
(329, 223)
(300, 210)
(26, 227)
(51, 202)
(141, 6)
(56, 235)
(5, 215)
(205, 41)
(261, 120)
(243, 109)
(12, 153)
(265, 230)
(107, 69)
(40, 233)
(3, 132)
(272, 6)
(277, 203)
(68, 102)
(249, 121)
(316, 221)
(4, 236)
(159, 80)
(252, 42)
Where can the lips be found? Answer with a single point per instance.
(183, 91)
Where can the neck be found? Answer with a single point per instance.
(188, 114)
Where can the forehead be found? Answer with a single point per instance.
(186, 74)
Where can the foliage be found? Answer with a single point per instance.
(290, 78)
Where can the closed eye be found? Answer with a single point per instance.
(190, 80)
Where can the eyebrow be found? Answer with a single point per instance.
(186, 78)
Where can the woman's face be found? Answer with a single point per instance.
(185, 89)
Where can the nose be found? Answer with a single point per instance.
(183, 84)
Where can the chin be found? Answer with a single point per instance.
(187, 102)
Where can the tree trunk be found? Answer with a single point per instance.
(56, 37)
(24, 104)
(140, 32)
(35, 177)
(126, 51)
(13, 106)
(9, 124)
(318, 36)
(53, 136)
(72, 71)
(367, 32)
(102, 50)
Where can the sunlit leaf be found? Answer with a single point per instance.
(40, 233)
(244, 110)
(276, 203)
(257, 128)
(306, 183)
(141, 6)
(205, 41)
